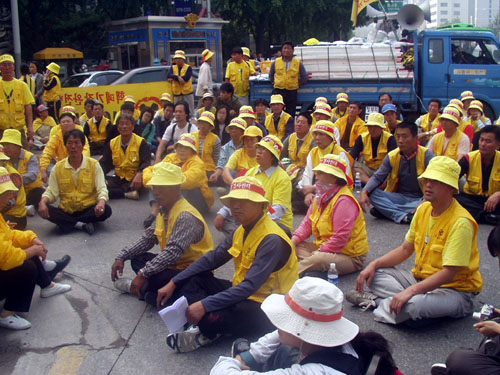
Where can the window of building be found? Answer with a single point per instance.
(443, 12)
(456, 5)
(456, 13)
(443, 4)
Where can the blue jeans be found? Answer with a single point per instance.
(394, 206)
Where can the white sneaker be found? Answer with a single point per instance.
(56, 289)
(123, 284)
(30, 210)
(14, 322)
(188, 340)
(439, 369)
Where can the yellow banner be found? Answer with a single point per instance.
(357, 7)
(112, 96)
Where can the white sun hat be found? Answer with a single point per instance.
(311, 311)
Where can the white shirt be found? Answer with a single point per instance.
(168, 136)
(204, 79)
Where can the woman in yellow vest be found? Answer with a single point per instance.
(207, 143)
(336, 220)
(52, 90)
(475, 116)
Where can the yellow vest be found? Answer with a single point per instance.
(239, 77)
(428, 256)
(336, 115)
(195, 250)
(80, 196)
(395, 158)
(207, 154)
(126, 163)
(243, 161)
(368, 159)
(425, 122)
(474, 123)
(243, 252)
(452, 149)
(474, 184)
(12, 112)
(280, 132)
(357, 128)
(299, 157)
(98, 134)
(187, 87)
(283, 79)
(22, 168)
(322, 226)
(137, 115)
(52, 95)
(56, 149)
(317, 154)
(278, 178)
(19, 208)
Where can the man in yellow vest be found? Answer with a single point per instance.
(451, 141)
(400, 168)
(350, 126)
(52, 90)
(429, 121)
(280, 123)
(181, 76)
(238, 73)
(371, 147)
(287, 74)
(342, 103)
(16, 109)
(446, 277)
(97, 129)
(481, 193)
(179, 229)
(265, 263)
(78, 181)
(128, 154)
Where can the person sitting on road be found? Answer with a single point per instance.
(128, 154)
(371, 147)
(429, 121)
(336, 221)
(207, 143)
(97, 129)
(179, 229)
(280, 123)
(322, 111)
(475, 116)
(323, 133)
(163, 120)
(265, 262)
(390, 112)
(466, 97)
(322, 101)
(311, 337)
(87, 105)
(400, 168)
(342, 106)
(78, 182)
(14, 211)
(247, 114)
(222, 120)
(481, 193)
(261, 112)
(21, 267)
(228, 98)
(165, 99)
(446, 276)
(128, 106)
(207, 105)
(146, 129)
(42, 126)
(351, 126)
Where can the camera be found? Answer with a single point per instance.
(486, 313)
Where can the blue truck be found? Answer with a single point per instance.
(435, 64)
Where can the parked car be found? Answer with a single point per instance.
(88, 79)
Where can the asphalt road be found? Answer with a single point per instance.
(95, 329)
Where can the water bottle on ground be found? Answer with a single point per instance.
(333, 275)
(357, 183)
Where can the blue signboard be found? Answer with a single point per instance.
(183, 7)
(119, 37)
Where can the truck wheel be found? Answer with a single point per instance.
(489, 112)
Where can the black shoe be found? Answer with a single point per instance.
(151, 297)
(60, 265)
(149, 220)
(376, 213)
(491, 219)
(239, 346)
(89, 228)
(407, 219)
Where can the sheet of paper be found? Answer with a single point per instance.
(174, 315)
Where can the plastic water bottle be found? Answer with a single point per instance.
(357, 183)
(333, 275)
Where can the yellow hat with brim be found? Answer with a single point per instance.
(326, 127)
(54, 68)
(188, 140)
(237, 123)
(68, 110)
(6, 58)
(451, 113)
(335, 166)
(376, 119)
(247, 188)
(272, 144)
(206, 55)
(251, 131)
(342, 97)
(179, 54)
(457, 103)
(467, 95)
(247, 111)
(6, 183)
(246, 51)
(319, 100)
(277, 99)
(166, 174)
(3, 156)
(12, 136)
(207, 95)
(129, 98)
(166, 97)
(208, 117)
(476, 104)
(324, 109)
(442, 169)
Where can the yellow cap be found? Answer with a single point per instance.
(246, 51)
(2, 154)
(237, 123)
(311, 42)
(166, 174)
(248, 188)
(466, 95)
(320, 100)
(54, 68)
(166, 96)
(272, 144)
(277, 99)
(342, 97)
(324, 109)
(206, 55)
(251, 131)
(68, 110)
(208, 117)
(188, 140)
(458, 103)
(12, 136)
(6, 183)
(451, 113)
(179, 54)
(334, 165)
(477, 105)
(247, 111)
(326, 127)
(129, 99)
(442, 169)
(376, 119)
(6, 57)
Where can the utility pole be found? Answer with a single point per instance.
(16, 35)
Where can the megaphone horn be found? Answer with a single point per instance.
(426, 8)
(410, 17)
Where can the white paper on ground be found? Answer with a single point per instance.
(174, 315)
